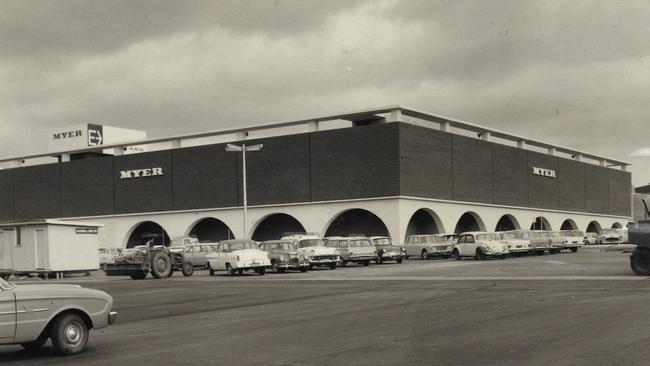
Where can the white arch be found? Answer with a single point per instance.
(545, 223)
(571, 223)
(477, 218)
(596, 225)
(434, 216)
(512, 219)
(197, 221)
(125, 241)
(331, 220)
(264, 217)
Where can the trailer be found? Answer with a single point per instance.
(48, 247)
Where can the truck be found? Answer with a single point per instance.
(141, 260)
(640, 258)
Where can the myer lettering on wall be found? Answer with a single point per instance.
(140, 173)
(544, 172)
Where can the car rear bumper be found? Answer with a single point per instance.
(112, 317)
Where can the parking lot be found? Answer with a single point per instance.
(562, 309)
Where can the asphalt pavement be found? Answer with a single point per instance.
(584, 308)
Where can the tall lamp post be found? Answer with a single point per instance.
(243, 148)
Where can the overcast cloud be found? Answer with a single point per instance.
(572, 73)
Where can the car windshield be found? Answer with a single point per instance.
(311, 243)
(507, 236)
(483, 237)
(238, 246)
(281, 246)
(360, 243)
(4, 285)
(523, 235)
(382, 241)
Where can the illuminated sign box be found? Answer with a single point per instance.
(87, 135)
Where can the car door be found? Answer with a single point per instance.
(7, 314)
(411, 246)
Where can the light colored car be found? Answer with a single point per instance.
(572, 239)
(427, 246)
(284, 255)
(590, 238)
(197, 254)
(353, 249)
(236, 256)
(30, 314)
(540, 241)
(314, 247)
(386, 250)
(516, 243)
(108, 255)
(480, 245)
(609, 236)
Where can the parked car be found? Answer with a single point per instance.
(609, 236)
(572, 239)
(590, 238)
(480, 245)
(427, 246)
(386, 250)
(354, 249)
(197, 254)
(32, 314)
(540, 241)
(314, 247)
(516, 243)
(236, 256)
(284, 255)
(108, 255)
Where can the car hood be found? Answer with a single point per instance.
(250, 253)
(59, 291)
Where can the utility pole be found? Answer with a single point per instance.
(243, 148)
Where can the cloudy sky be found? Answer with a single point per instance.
(572, 73)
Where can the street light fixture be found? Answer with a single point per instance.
(243, 148)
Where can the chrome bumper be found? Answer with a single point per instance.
(112, 317)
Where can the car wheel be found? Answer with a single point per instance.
(240, 271)
(261, 271)
(187, 269)
(424, 254)
(379, 260)
(573, 250)
(503, 256)
(229, 270)
(343, 262)
(640, 262)
(275, 266)
(456, 254)
(332, 266)
(35, 345)
(304, 269)
(161, 265)
(479, 254)
(398, 260)
(210, 270)
(69, 334)
(366, 263)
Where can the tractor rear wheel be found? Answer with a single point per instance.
(161, 265)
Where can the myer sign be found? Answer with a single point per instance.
(544, 172)
(140, 173)
(83, 136)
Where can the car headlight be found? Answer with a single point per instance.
(283, 258)
(403, 249)
(312, 252)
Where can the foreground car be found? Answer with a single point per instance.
(284, 255)
(479, 245)
(236, 256)
(314, 247)
(30, 314)
(386, 251)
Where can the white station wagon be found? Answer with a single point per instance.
(480, 245)
(236, 256)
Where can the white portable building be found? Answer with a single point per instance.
(48, 246)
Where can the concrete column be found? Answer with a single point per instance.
(313, 126)
(395, 115)
(444, 126)
(551, 151)
(521, 144)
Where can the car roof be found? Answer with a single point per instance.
(277, 241)
(237, 241)
(474, 232)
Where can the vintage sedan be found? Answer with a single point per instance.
(352, 249)
(572, 239)
(590, 238)
(427, 246)
(284, 255)
(480, 245)
(30, 314)
(517, 244)
(386, 250)
(236, 256)
(314, 247)
(609, 236)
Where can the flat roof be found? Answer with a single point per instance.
(394, 113)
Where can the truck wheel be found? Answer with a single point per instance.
(138, 276)
(187, 269)
(35, 345)
(161, 265)
(640, 262)
(229, 270)
(456, 254)
(424, 254)
(69, 334)
(573, 250)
